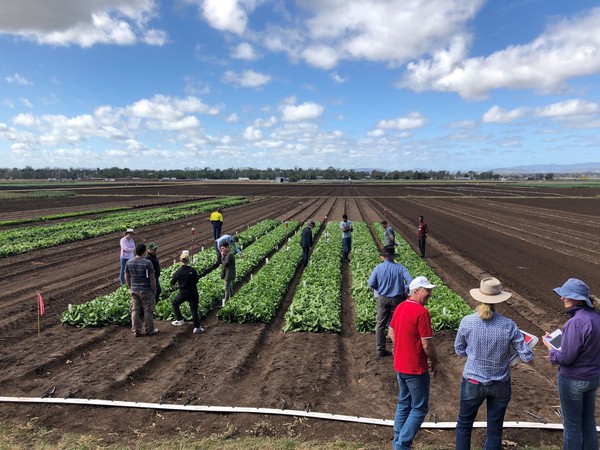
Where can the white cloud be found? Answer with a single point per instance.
(247, 78)
(572, 107)
(244, 51)
(82, 23)
(252, 134)
(410, 121)
(225, 15)
(305, 111)
(232, 118)
(18, 79)
(321, 56)
(566, 49)
(497, 115)
(338, 78)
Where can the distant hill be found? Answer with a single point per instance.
(591, 167)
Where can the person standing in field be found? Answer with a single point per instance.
(153, 258)
(306, 242)
(390, 281)
(411, 333)
(216, 220)
(227, 271)
(389, 236)
(231, 241)
(139, 276)
(127, 252)
(578, 361)
(346, 227)
(422, 235)
(486, 339)
(186, 277)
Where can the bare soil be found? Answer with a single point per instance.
(531, 239)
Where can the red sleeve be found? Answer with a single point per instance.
(424, 325)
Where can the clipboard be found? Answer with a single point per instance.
(531, 342)
(555, 339)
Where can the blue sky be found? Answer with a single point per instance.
(392, 84)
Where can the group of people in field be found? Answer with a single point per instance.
(487, 339)
(140, 271)
(489, 342)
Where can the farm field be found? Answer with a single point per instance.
(531, 238)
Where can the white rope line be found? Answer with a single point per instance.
(270, 411)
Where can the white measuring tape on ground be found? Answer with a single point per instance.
(267, 411)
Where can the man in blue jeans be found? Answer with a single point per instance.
(410, 331)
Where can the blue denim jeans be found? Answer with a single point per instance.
(497, 395)
(346, 247)
(413, 405)
(578, 405)
(122, 270)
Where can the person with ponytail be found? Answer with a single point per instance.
(487, 339)
(578, 361)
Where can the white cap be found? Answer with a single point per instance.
(420, 282)
(185, 254)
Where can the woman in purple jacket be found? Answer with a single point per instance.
(578, 360)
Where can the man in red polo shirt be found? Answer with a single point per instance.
(410, 331)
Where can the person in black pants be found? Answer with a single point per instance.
(306, 242)
(187, 279)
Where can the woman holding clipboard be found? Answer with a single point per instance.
(578, 359)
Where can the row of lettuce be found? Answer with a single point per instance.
(271, 259)
(25, 239)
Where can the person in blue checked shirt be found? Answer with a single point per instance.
(486, 339)
(390, 280)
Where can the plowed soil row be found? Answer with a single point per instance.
(531, 247)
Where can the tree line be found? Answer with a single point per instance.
(292, 175)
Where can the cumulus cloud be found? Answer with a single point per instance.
(82, 23)
(17, 79)
(410, 121)
(302, 112)
(338, 78)
(252, 134)
(247, 78)
(572, 107)
(497, 115)
(321, 56)
(566, 49)
(224, 15)
(244, 51)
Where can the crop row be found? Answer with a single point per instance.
(316, 305)
(113, 308)
(258, 299)
(21, 240)
(365, 256)
(445, 306)
(211, 288)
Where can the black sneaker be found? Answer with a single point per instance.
(137, 334)
(383, 353)
(152, 333)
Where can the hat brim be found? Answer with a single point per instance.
(489, 299)
(566, 293)
(395, 255)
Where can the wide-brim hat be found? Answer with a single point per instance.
(388, 252)
(574, 289)
(490, 291)
(130, 230)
